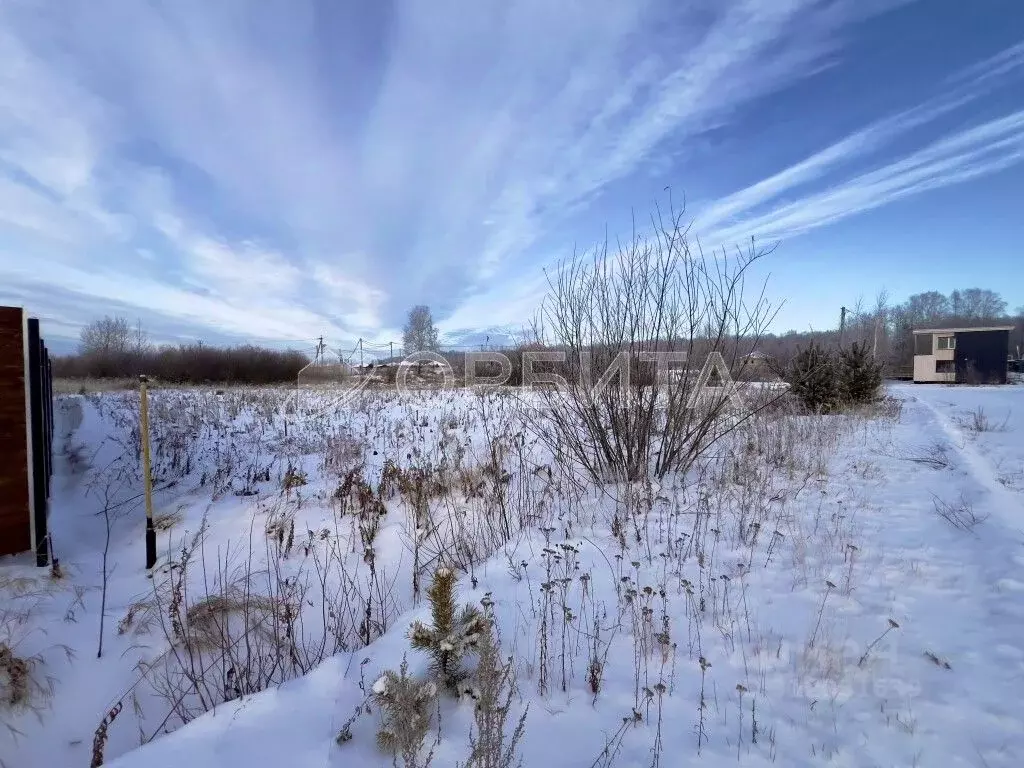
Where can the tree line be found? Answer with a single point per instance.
(112, 348)
(887, 328)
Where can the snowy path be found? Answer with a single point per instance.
(1004, 501)
(961, 594)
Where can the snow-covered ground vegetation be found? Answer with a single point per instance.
(840, 589)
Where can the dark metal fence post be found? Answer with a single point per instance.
(37, 394)
(147, 478)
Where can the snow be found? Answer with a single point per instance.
(803, 541)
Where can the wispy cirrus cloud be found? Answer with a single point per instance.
(295, 167)
(440, 151)
(979, 151)
(961, 155)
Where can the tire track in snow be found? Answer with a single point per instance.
(1005, 504)
(967, 607)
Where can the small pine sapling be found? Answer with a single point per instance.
(454, 633)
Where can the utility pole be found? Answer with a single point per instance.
(320, 349)
(139, 337)
(842, 324)
(391, 353)
(360, 351)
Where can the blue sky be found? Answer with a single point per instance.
(272, 171)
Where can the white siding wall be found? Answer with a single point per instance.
(924, 365)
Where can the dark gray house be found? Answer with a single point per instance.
(962, 355)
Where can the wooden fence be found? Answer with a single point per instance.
(26, 436)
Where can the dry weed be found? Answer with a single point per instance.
(207, 619)
(15, 674)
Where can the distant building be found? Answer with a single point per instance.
(961, 355)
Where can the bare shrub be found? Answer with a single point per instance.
(935, 455)
(959, 513)
(406, 705)
(107, 485)
(635, 310)
(193, 363)
(207, 621)
(979, 421)
(343, 453)
(164, 521)
(15, 676)
(490, 746)
(234, 628)
(22, 687)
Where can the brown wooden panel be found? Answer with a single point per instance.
(15, 528)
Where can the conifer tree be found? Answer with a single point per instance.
(405, 704)
(454, 632)
(812, 377)
(860, 377)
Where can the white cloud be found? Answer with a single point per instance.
(870, 190)
(959, 156)
(979, 151)
(277, 321)
(293, 167)
(48, 125)
(358, 304)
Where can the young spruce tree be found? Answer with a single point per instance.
(812, 377)
(860, 377)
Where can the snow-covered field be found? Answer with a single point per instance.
(842, 590)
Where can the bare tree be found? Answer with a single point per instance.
(879, 336)
(956, 304)
(982, 304)
(109, 336)
(930, 306)
(419, 334)
(868, 326)
(631, 313)
(107, 485)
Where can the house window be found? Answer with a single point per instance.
(946, 342)
(944, 366)
(922, 344)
